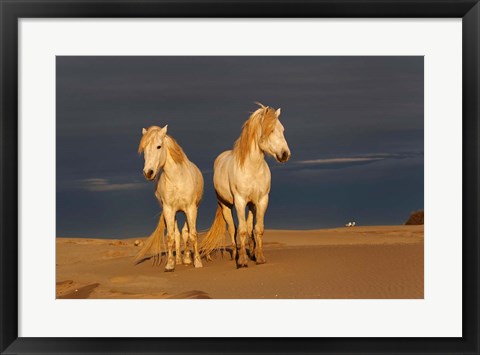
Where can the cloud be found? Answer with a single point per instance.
(354, 172)
(359, 159)
(338, 160)
(343, 162)
(101, 185)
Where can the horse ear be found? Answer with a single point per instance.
(164, 130)
(277, 113)
(144, 131)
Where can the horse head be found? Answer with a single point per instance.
(272, 140)
(154, 150)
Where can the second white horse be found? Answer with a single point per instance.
(242, 180)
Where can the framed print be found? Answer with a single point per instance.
(202, 177)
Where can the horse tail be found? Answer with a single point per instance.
(215, 235)
(153, 244)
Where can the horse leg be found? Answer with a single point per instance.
(178, 253)
(187, 259)
(240, 205)
(251, 242)
(192, 229)
(228, 216)
(261, 208)
(169, 215)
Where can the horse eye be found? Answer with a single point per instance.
(158, 147)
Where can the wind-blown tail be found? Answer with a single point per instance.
(215, 236)
(153, 244)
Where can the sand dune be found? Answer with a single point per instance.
(359, 262)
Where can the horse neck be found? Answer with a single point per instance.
(255, 155)
(171, 169)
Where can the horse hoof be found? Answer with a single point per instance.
(242, 259)
(241, 266)
(169, 270)
(260, 258)
(178, 261)
(198, 264)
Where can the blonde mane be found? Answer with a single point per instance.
(147, 137)
(264, 119)
(176, 152)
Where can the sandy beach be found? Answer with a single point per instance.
(359, 262)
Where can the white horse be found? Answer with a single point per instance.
(179, 188)
(242, 179)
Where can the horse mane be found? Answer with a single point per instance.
(176, 152)
(264, 118)
(147, 137)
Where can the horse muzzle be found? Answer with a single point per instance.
(149, 174)
(284, 157)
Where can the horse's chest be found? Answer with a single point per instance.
(253, 188)
(176, 194)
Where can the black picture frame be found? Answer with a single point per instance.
(12, 11)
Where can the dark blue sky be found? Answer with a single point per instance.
(354, 125)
